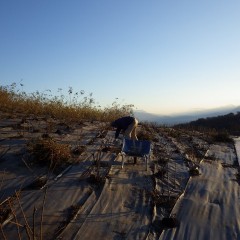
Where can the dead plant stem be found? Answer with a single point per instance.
(43, 204)
(15, 218)
(33, 227)
(24, 216)
(4, 237)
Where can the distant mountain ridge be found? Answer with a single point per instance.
(184, 117)
(228, 123)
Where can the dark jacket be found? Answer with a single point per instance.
(122, 124)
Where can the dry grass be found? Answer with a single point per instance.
(74, 107)
(48, 151)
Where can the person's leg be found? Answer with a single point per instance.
(128, 131)
(133, 133)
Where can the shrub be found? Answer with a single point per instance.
(49, 152)
(222, 137)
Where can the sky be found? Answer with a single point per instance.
(161, 56)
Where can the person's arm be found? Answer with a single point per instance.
(117, 132)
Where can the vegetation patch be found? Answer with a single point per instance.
(78, 150)
(222, 137)
(49, 152)
(75, 107)
(164, 201)
(144, 135)
(102, 134)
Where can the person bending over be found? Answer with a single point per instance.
(128, 125)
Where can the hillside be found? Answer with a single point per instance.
(63, 180)
(229, 123)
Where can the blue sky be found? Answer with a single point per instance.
(162, 56)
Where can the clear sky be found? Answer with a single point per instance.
(163, 56)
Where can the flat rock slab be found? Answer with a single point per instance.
(122, 211)
(209, 207)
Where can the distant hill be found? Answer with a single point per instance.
(185, 117)
(229, 122)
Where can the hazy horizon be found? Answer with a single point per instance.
(193, 110)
